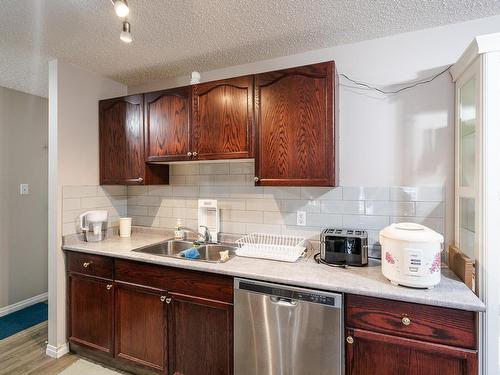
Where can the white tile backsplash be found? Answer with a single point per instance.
(214, 168)
(355, 193)
(343, 207)
(246, 208)
(390, 208)
(425, 193)
(262, 205)
(300, 205)
(241, 168)
(429, 209)
(321, 193)
(160, 191)
(365, 222)
(79, 199)
(281, 192)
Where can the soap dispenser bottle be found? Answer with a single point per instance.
(179, 234)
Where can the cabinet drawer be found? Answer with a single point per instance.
(175, 280)
(428, 323)
(88, 264)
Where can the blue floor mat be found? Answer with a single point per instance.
(22, 319)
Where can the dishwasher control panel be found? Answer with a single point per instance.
(291, 293)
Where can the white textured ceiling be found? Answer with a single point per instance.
(174, 37)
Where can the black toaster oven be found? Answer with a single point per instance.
(344, 246)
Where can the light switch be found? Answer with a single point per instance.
(301, 218)
(24, 189)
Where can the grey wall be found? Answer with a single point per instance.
(23, 218)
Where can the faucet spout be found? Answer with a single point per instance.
(206, 236)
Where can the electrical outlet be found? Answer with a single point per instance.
(24, 189)
(301, 218)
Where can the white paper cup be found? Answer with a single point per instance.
(125, 226)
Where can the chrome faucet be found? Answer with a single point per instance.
(207, 237)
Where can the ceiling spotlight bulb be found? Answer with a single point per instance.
(125, 35)
(195, 78)
(121, 8)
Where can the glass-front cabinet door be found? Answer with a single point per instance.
(467, 144)
(477, 181)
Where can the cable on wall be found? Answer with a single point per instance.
(372, 87)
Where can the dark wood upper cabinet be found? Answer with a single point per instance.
(223, 119)
(201, 336)
(121, 141)
(121, 144)
(141, 326)
(377, 353)
(295, 114)
(90, 312)
(286, 119)
(168, 125)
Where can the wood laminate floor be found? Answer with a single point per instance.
(24, 353)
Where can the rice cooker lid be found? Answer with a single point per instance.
(411, 232)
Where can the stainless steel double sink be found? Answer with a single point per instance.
(172, 248)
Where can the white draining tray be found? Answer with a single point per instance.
(271, 246)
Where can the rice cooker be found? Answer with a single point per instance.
(411, 255)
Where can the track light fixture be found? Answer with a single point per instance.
(121, 8)
(125, 35)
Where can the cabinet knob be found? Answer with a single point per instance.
(163, 298)
(140, 179)
(256, 179)
(195, 153)
(189, 154)
(109, 286)
(86, 264)
(406, 321)
(349, 340)
(169, 300)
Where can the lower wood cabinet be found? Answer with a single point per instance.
(143, 317)
(90, 312)
(387, 337)
(376, 353)
(141, 326)
(201, 336)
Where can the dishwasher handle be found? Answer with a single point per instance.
(282, 301)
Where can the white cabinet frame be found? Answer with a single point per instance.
(482, 58)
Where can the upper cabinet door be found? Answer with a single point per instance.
(168, 123)
(295, 113)
(121, 141)
(223, 119)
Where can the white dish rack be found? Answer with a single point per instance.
(271, 246)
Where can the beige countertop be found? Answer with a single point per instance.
(367, 281)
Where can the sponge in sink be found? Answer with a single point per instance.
(191, 253)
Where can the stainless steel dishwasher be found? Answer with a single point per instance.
(282, 330)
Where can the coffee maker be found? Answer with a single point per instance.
(94, 225)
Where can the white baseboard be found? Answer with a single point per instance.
(57, 352)
(23, 304)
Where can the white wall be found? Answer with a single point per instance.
(403, 139)
(23, 218)
(73, 160)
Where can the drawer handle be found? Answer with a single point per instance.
(86, 264)
(189, 154)
(406, 321)
(349, 340)
(195, 153)
(256, 179)
(109, 286)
